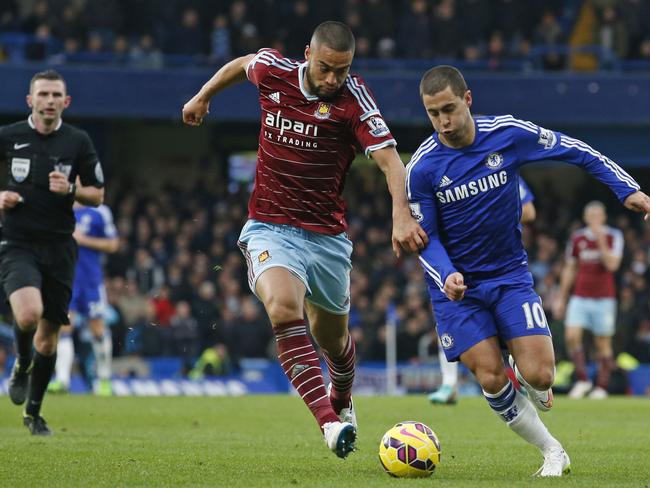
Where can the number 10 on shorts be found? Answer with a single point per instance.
(534, 315)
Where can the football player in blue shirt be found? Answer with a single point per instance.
(463, 184)
(447, 393)
(96, 235)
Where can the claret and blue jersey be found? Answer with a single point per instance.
(468, 200)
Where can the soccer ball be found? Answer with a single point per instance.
(409, 450)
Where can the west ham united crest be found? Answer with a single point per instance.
(323, 111)
(264, 256)
(494, 161)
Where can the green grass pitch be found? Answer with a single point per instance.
(273, 441)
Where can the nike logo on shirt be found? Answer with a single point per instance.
(20, 146)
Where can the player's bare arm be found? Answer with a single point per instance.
(528, 213)
(229, 74)
(610, 260)
(107, 245)
(9, 199)
(566, 283)
(407, 233)
(639, 202)
(455, 287)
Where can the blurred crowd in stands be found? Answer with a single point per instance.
(178, 284)
(492, 34)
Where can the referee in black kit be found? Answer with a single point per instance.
(50, 165)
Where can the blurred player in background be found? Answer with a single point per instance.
(593, 255)
(462, 185)
(51, 164)
(314, 116)
(447, 393)
(96, 235)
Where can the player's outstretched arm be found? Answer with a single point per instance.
(108, 245)
(455, 287)
(229, 74)
(567, 278)
(407, 233)
(639, 202)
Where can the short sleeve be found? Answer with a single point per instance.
(91, 172)
(258, 67)
(108, 226)
(369, 127)
(571, 252)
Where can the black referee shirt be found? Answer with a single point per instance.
(30, 157)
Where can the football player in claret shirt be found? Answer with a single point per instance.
(51, 165)
(315, 115)
(593, 255)
(462, 185)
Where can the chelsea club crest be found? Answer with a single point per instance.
(494, 161)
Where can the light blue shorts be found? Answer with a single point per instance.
(595, 314)
(322, 262)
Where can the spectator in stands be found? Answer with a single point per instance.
(189, 38)
(185, 335)
(611, 36)
(415, 30)
(220, 47)
(549, 35)
(145, 54)
(447, 34)
(147, 275)
(213, 362)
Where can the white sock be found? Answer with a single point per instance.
(448, 370)
(64, 360)
(521, 417)
(103, 349)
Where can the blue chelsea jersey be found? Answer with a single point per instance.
(93, 222)
(468, 199)
(525, 193)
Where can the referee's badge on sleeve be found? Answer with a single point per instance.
(99, 173)
(20, 169)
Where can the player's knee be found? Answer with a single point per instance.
(573, 337)
(541, 379)
(282, 311)
(492, 381)
(28, 317)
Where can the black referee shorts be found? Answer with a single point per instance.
(46, 265)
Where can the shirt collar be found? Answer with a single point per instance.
(30, 121)
(303, 89)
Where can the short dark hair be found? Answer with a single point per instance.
(48, 74)
(439, 78)
(335, 35)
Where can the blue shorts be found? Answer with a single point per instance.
(321, 261)
(88, 300)
(506, 307)
(595, 314)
